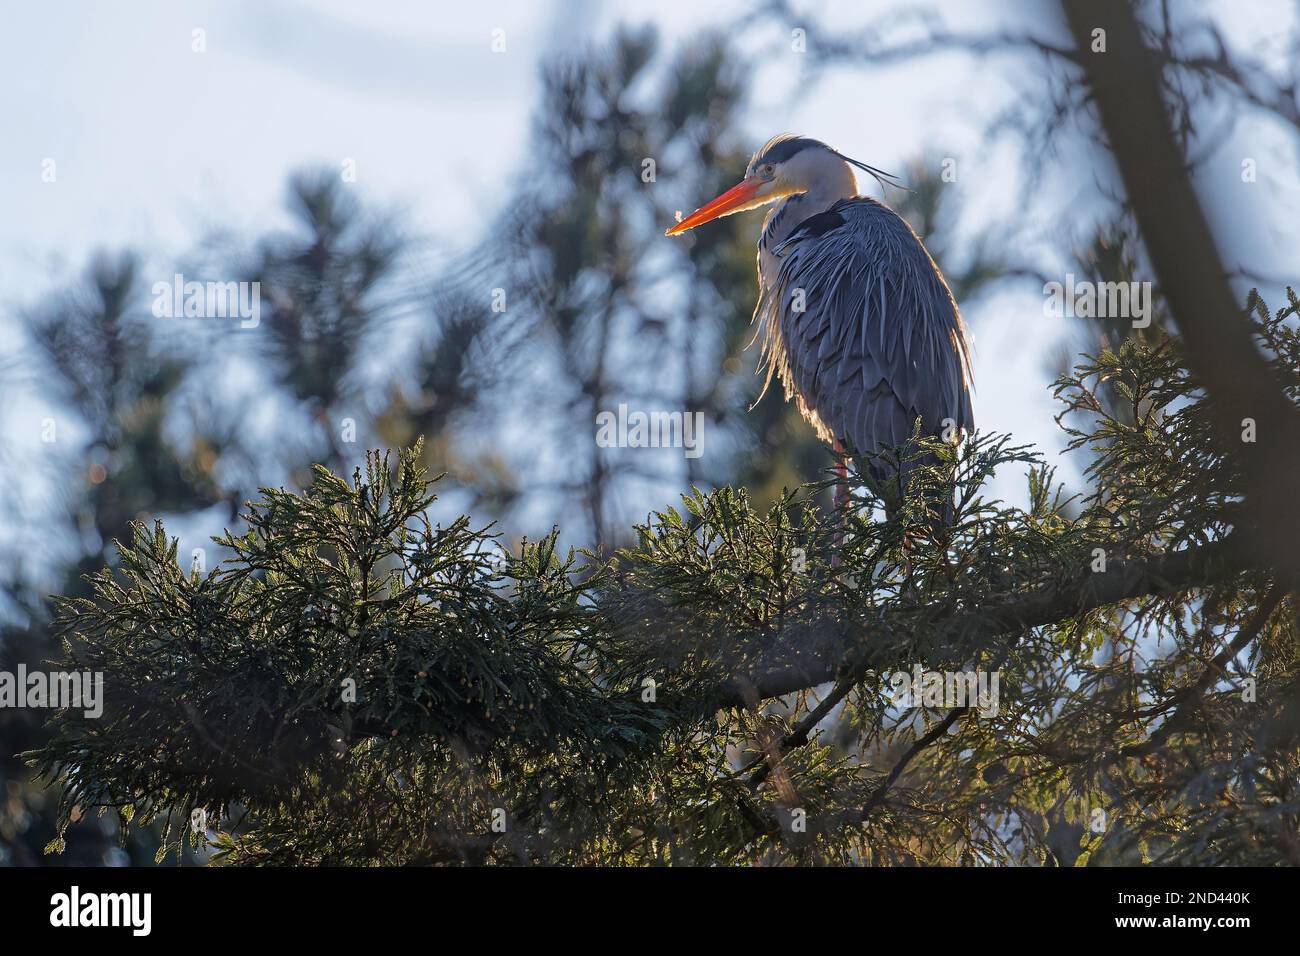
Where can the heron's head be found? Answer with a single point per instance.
(784, 165)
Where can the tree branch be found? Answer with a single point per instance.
(1186, 698)
(797, 737)
(1124, 581)
(933, 734)
(1126, 86)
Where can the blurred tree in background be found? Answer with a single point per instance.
(608, 314)
(324, 288)
(95, 353)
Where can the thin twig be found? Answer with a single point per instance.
(797, 737)
(935, 732)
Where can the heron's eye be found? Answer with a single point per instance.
(768, 171)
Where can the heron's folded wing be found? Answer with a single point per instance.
(862, 329)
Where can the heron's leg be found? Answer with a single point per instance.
(908, 582)
(841, 499)
(842, 486)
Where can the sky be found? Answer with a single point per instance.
(156, 145)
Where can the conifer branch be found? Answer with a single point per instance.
(1123, 581)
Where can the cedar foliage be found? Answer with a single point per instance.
(549, 707)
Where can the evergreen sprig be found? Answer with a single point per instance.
(354, 684)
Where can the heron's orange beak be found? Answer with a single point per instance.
(732, 200)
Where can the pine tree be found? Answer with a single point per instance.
(357, 685)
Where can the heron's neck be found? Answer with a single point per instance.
(826, 190)
(789, 212)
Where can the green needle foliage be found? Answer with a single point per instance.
(356, 685)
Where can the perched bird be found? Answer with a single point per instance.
(855, 319)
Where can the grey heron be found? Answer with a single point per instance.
(856, 320)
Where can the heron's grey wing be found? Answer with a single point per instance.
(863, 332)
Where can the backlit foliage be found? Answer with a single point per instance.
(541, 706)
